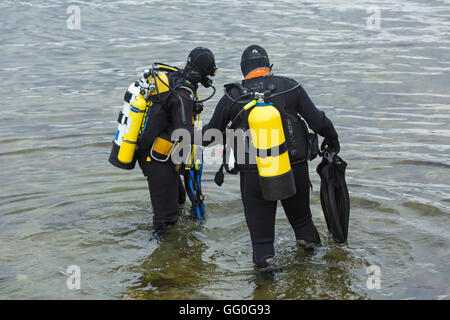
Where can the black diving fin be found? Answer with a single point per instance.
(334, 196)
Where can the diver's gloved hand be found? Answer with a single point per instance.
(331, 144)
(330, 138)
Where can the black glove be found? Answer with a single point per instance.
(333, 145)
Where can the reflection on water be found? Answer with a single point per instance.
(175, 269)
(63, 204)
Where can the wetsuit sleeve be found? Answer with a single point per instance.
(220, 118)
(316, 119)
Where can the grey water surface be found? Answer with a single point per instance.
(61, 203)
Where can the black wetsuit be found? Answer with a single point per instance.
(165, 184)
(260, 213)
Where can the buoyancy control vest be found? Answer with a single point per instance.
(274, 153)
(156, 137)
(145, 118)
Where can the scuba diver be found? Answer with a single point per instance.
(266, 101)
(165, 99)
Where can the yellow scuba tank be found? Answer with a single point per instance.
(131, 117)
(272, 158)
(138, 106)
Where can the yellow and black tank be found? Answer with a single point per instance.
(272, 158)
(135, 108)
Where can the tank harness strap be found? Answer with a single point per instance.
(282, 97)
(272, 152)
